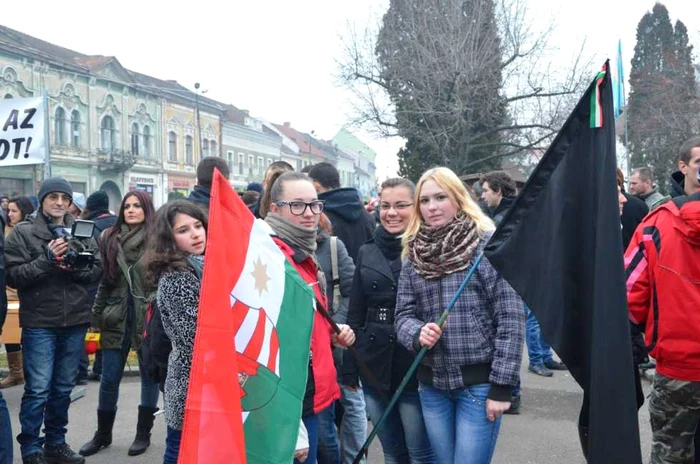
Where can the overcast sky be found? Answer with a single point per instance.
(276, 58)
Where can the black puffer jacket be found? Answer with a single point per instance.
(371, 316)
(351, 223)
(103, 220)
(49, 297)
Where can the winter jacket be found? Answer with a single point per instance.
(103, 220)
(10, 293)
(371, 316)
(113, 301)
(351, 223)
(483, 339)
(178, 299)
(49, 297)
(321, 386)
(3, 297)
(663, 286)
(499, 212)
(346, 269)
(654, 199)
(633, 212)
(201, 196)
(677, 184)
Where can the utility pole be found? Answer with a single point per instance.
(199, 126)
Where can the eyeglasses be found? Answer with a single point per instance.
(396, 206)
(58, 196)
(298, 208)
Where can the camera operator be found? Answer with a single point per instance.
(54, 315)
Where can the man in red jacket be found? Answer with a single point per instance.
(663, 294)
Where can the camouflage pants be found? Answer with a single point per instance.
(674, 407)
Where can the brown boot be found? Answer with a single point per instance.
(16, 377)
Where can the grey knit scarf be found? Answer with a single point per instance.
(301, 239)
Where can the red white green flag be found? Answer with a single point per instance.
(251, 352)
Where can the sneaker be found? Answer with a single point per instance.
(539, 369)
(62, 454)
(514, 406)
(555, 365)
(35, 458)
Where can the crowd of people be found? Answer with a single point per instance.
(380, 284)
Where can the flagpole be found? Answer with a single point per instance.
(416, 362)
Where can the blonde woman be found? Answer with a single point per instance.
(466, 378)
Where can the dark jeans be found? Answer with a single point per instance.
(403, 435)
(311, 424)
(328, 446)
(51, 358)
(172, 446)
(5, 433)
(112, 372)
(538, 350)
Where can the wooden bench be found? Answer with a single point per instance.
(11, 331)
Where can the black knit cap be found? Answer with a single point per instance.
(55, 184)
(98, 201)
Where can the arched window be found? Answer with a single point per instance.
(172, 146)
(135, 139)
(188, 150)
(205, 147)
(75, 128)
(60, 126)
(108, 134)
(212, 148)
(146, 140)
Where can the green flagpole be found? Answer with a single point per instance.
(416, 362)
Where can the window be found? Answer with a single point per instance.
(229, 155)
(269, 161)
(146, 140)
(251, 163)
(212, 148)
(188, 149)
(205, 147)
(75, 128)
(7, 96)
(108, 134)
(241, 160)
(60, 126)
(135, 139)
(260, 165)
(172, 146)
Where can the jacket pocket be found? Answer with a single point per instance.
(113, 313)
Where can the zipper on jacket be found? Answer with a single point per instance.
(65, 311)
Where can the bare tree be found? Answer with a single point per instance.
(471, 80)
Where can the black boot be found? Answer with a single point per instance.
(583, 438)
(103, 436)
(143, 431)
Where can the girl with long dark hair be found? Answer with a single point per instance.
(119, 314)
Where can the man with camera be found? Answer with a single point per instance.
(51, 271)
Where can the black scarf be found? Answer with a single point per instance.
(389, 244)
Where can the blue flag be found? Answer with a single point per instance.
(619, 83)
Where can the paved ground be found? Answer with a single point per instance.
(544, 433)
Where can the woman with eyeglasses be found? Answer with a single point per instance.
(473, 361)
(294, 216)
(371, 315)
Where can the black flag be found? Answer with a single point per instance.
(560, 248)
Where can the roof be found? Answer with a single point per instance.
(40, 47)
(301, 139)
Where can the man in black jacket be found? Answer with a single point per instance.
(205, 176)
(685, 181)
(97, 210)
(351, 223)
(54, 316)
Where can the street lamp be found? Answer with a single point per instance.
(199, 125)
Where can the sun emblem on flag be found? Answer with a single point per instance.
(260, 275)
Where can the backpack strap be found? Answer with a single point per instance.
(334, 260)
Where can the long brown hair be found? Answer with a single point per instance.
(108, 243)
(274, 171)
(162, 253)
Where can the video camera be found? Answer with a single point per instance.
(79, 256)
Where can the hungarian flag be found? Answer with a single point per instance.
(560, 248)
(251, 350)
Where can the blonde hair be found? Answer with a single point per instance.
(455, 190)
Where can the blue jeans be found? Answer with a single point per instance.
(403, 435)
(328, 446)
(51, 358)
(457, 424)
(172, 446)
(311, 424)
(5, 433)
(538, 349)
(112, 371)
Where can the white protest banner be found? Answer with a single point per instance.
(22, 131)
